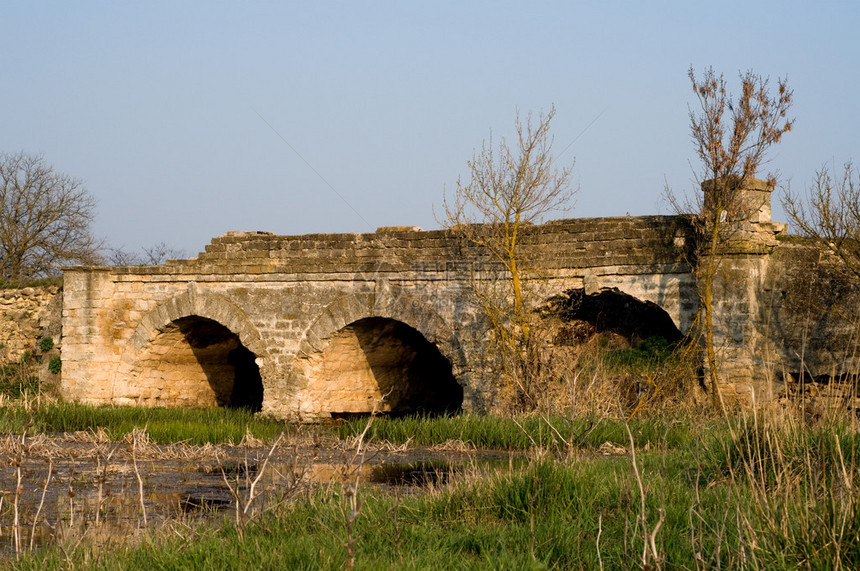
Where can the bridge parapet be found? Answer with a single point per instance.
(648, 241)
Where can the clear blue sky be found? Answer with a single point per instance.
(154, 104)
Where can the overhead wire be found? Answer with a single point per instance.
(316, 172)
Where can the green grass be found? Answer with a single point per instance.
(525, 432)
(32, 282)
(715, 508)
(545, 516)
(735, 492)
(18, 380)
(222, 425)
(19, 385)
(647, 356)
(539, 518)
(163, 425)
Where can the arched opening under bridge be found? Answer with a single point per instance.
(609, 311)
(383, 365)
(196, 361)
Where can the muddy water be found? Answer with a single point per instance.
(111, 491)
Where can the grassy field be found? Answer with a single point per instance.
(749, 491)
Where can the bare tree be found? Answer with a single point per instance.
(509, 188)
(831, 215)
(159, 253)
(731, 138)
(119, 256)
(153, 256)
(45, 219)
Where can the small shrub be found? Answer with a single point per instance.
(55, 364)
(26, 358)
(46, 344)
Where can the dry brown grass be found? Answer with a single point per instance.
(573, 376)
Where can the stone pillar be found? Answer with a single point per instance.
(747, 239)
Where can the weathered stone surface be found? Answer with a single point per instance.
(26, 316)
(288, 298)
(313, 313)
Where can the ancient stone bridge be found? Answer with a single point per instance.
(330, 323)
(308, 326)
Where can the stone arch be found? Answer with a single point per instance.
(206, 305)
(673, 292)
(613, 310)
(191, 326)
(404, 308)
(367, 314)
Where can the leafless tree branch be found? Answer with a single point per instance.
(509, 187)
(45, 219)
(830, 215)
(731, 138)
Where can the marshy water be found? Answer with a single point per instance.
(84, 488)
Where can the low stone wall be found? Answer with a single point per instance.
(808, 316)
(26, 316)
(786, 315)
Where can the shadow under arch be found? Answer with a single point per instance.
(612, 310)
(374, 325)
(196, 350)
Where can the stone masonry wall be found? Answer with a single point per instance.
(26, 315)
(781, 310)
(285, 297)
(808, 319)
(741, 266)
(785, 315)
